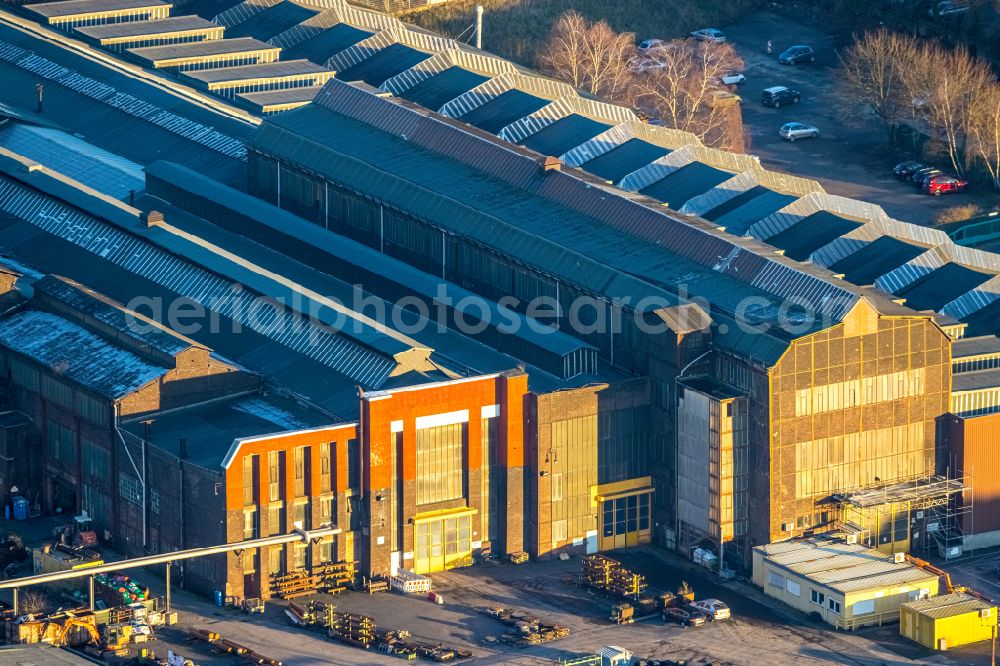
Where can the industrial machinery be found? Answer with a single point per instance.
(78, 534)
(252, 605)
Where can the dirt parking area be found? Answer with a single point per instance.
(757, 634)
(846, 160)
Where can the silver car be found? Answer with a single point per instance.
(793, 131)
(713, 35)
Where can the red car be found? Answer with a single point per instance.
(944, 184)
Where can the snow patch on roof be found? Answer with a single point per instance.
(270, 412)
(77, 354)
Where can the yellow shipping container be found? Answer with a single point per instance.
(948, 621)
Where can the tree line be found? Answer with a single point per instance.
(945, 93)
(678, 83)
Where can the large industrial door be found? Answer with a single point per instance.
(442, 543)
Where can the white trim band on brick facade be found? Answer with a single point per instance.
(448, 418)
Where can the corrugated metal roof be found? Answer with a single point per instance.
(261, 101)
(385, 64)
(211, 429)
(624, 159)
(747, 260)
(70, 155)
(347, 251)
(438, 90)
(173, 24)
(941, 286)
(74, 7)
(490, 192)
(263, 70)
(975, 346)
(77, 354)
(565, 133)
(118, 112)
(875, 259)
(832, 562)
(806, 236)
(686, 183)
(738, 214)
(283, 366)
(324, 45)
(272, 320)
(948, 605)
(976, 380)
(985, 321)
(203, 49)
(272, 21)
(503, 110)
(83, 301)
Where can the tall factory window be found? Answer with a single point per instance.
(301, 515)
(275, 518)
(23, 374)
(96, 459)
(326, 551)
(301, 455)
(353, 464)
(276, 560)
(55, 391)
(275, 473)
(249, 480)
(250, 523)
(299, 559)
(439, 463)
(62, 444)
(324, 467)
(855, 460)
(326, 508)
(490, 478)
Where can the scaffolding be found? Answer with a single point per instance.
(931, 512)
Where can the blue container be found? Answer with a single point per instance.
(20, 508)
(218, 598)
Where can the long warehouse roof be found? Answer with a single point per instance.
(264, 70)
(76, 7)
(203, 49)
(171, 25)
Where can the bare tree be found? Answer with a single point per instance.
(32, 602)
(564, 55)
(606, 66)
(984, 131)
(945, 87)
(591, 57)
(683, 91)
(870, 77)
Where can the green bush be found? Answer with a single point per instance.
(518, 29)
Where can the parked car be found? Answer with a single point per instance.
(929, 175)
(775, 96)
(938, 185)
(642, 64)
(918, 176)
(796, 54)
(650, 45)
(905, 170)
(686, 617)
(948, 8)
(793, 131)
(732, 79)
(713, 35)
(712, 608)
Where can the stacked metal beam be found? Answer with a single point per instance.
(604, 573)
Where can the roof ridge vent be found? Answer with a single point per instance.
(153, 218)
(550, 163)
